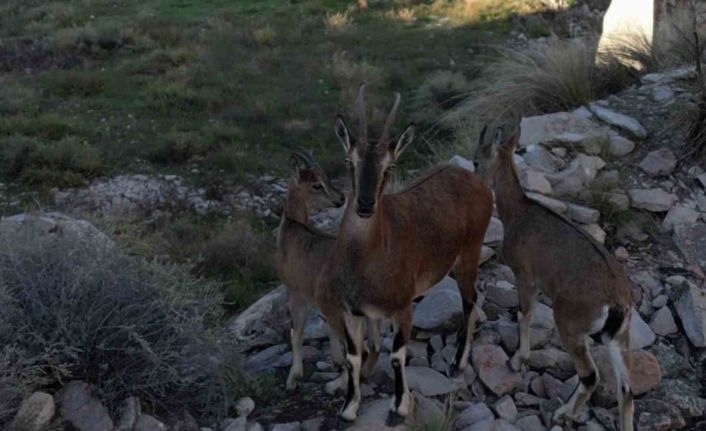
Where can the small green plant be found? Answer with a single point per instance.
(76, 83)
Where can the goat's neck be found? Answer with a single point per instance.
(296, 207)
(510, 196)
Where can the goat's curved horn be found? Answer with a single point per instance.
(305, 158)
(360, 108)
(390, 119)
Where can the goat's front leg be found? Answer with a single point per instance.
(354, 326)
(373, 347)
(528, 300)
(401, 404)
(298, 309)
(337, 329)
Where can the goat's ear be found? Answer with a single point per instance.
(403, 141)
(343, 133)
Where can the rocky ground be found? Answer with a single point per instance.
(613, 167)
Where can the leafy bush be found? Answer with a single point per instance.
(76, 307)
(76, 83)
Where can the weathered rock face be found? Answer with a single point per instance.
(35, 414)
(82, 410)
(691, 240)
(428, 382)
(679, 215)
(53, 224)
(563, 128)
(656, 415)
(248, 326)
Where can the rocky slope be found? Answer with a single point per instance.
(613, 168)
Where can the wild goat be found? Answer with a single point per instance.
(392, 247)
(301, 254)
(590, 292)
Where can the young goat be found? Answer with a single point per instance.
(301, 254)
(590, 292)
(392, 247)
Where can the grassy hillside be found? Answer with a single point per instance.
(224, 87)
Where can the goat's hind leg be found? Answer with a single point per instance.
(466, 271)
(373, 344)
(618, 349)
(574, 409)
(298, 309)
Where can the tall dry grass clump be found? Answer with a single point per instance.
(557, 76)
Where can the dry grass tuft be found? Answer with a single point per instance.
(338, 22)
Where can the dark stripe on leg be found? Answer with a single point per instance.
(398, 342)
(589, 381)
(351, 385)
(399, 387)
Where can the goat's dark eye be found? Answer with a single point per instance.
(348, 161)
(318, 187)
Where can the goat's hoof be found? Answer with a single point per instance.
(293, 383)
(393, 419)
(342, 424)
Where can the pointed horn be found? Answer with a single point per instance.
(390, 119)
(360, 107)
(305, 158)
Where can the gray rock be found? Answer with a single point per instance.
(441, 305)
(54, 224)
(563, 128)
(659, 162)
(662, 322)
(655, 200)
(646, 280)
(80, 409)
(504, 425)
(244, 406)
(244, 327)
(582, 214)
(449, 353)
(477, 412)
(503, 294)
(691, 308)
(619, 120)
(462, 163)
(683, 72)
(530, 423)
(290, 426)
(230, 424)
(35, 413)
(691, 240)
(494, 234)
(428, 382)
(505, 408)
(130, 410)
(265, 359)
(679, 215)
(553, 204)
(149, 423)
(656, 415)
(619, 146)
(509, 336)
(662, 93)
(683, 395)
(524, 399)
(372, 417)
(543, 316)
(437, 343)
(660, 301)
(419, 362)
(645, 375)
(641, 335)
(595, 231)
(535, 182)
(619, 199)
(542, 160)
(312, 424)
(490, 361)
(484, 425)
(550, 358)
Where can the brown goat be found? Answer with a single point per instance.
(392, 247)
(301, 253)
(590, 292)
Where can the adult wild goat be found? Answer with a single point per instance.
(392, 247)
(301, 253)
(590, 292)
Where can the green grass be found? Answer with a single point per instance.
(127, 77)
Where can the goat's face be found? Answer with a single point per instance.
(314, 182)
(491, 153)
(370, 164)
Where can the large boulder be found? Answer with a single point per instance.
(249, 325)
(563, 128)
(54, 224)
(428, 382)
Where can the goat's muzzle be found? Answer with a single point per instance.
(366, 207)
